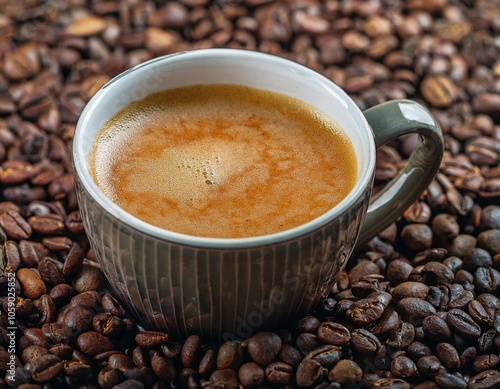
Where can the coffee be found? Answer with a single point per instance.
(223, 161)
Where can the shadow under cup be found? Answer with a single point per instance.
(221, 288)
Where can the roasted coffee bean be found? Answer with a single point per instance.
(402, 337)
(487, 279)
(35, 336)
(208, 362)
(307, 342)
(417, 237)
(364, 341)
(362, 269)
(251, 375)
(279, 373)
(226, 378)
(488, 379)
(451, 381)
(109, 378)
(436, 327)
(417, 350)
(435, 273)
(77, 369)
(290, 355)
(49, 224)
(150, 339)
(32, 285)
(263, 347)
(333, 333)
(403, 367)
(410, 289)
(345, 372)
(32, 252)
(414, 310)
(57, 333)
(448, 355)
(62, 350)
(429, 365)
(463, 323)
(309, 372)
(475, 258)
(89, 277)
(398, 271)
(308, 324)
(461, 300)
(388, 323)
(230, 355)
(73, 261)
(45, 368)
(14, 225)
(51, 271)
(110, 304)
(486, 362)
(326, 356)
(445, 226)
(171, 349)
(488, 240)
(490, 217)
(77, 319)
(163, 367)
(367, 311)
(108, 325)
(93, 343)
(366, 286)
(33, 352)
(486, 340)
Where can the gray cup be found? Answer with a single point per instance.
(230, 288)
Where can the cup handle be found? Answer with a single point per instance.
(388, 121)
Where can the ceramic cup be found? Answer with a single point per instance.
(230, 288)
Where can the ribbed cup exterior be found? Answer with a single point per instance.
(226, 293)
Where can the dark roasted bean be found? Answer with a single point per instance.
(163, 367)
(93, 343)
(230, 355)
(364, 341)
(14, 225)
(263, 347)
(436, 328)
(326, 356)
(308, 372)
(450, 381)
(251, 375)
(334, 333)
(108, 325)
(463, 323)
(45, 368)
(345, 372)
(367, 311)
(448, 355)
(150, 339)
(279, 373)
(488, 379)
(308, 324)
(414, 310)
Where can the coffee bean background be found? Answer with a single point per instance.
(418, 306)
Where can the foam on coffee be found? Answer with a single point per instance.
(223, 161)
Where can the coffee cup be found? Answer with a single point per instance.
(229, 288)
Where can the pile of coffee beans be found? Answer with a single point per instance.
(418, 306)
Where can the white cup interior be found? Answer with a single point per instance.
(223, 66)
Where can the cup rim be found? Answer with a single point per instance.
(81, 170)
